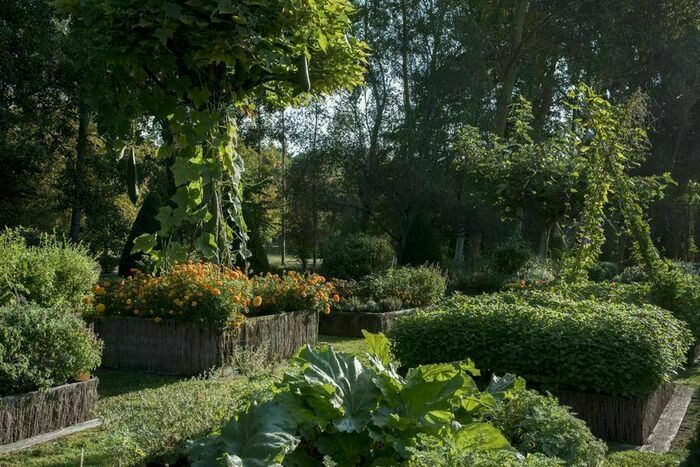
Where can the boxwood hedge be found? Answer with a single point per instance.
(556, 342)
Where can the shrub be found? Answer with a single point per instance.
(675, 291)
(421, 243)
(42, 348)
(631, 274)
(538, 271)
(414, 286)
(197, 291)
(535, 423)
(603, 271)
(437, 453)
(392, 290)
(355, 256)
(557, 342)
(480, 282)
(54, 273)
(511, 256)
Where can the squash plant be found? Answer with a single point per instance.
(186, 65)
(330, 406)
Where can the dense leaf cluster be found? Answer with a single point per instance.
(42, 348)
(551, 340)
(355, 256)
(52, 273)
(333, 407)
(394, 289)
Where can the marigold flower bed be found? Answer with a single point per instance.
(196, 315)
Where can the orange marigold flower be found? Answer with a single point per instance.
(327, 310)
(100, 308)
(336, 298)
(87, 300)
(257, 301)
(157, 319)
(522, 283)
(194, 303)
(215, 292)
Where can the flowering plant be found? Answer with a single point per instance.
(201, 291)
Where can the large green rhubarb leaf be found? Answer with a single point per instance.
(262, 436)
(338, 379)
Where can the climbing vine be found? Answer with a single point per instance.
(612, 140)
(189, 65)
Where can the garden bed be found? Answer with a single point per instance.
(187, 348)
(26, 415)
(351, 323)
(628, 420)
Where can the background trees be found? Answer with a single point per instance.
(378, 157)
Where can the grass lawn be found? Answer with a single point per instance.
(151, 416)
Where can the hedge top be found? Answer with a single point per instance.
(611, 348)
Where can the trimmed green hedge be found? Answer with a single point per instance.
(611, 348)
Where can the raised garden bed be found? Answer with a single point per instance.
(618, 419)
(26, 415)
(351, 324)
(187, 348)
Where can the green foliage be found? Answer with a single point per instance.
(631, 274)
(536, 423)
(611, 141)
(41, 348)
(53, 273)
(187, 65)
(675, 291)
(334, 407)
(554, 341)
(421, 244)
(438, 453)
(603, 271)
(486, 281)
(511, 256)
(355, 256)
(414, 286)
(394, 289)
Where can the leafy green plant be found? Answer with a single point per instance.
(332, 407)
(53, 273)
(42, 348)
(551, 340)
(355, 256)
(536, 423)
(414, 286)
(434, 452)
(394, 289)
(510, 257)
(603, 271)
(631, 274)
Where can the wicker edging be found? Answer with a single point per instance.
(26, 415)
(351, 324)
(188, 348)
(618, 419)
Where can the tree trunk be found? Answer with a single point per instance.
(544, 241)
(509, 74)
(283, 238)
(79, 175)
(459, 248)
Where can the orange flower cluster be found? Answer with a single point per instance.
(292, 292)
(201, 291)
